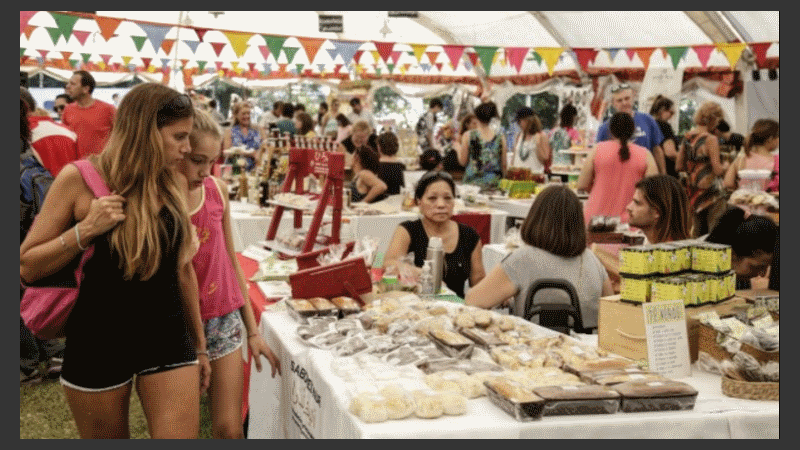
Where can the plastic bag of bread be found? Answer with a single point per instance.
(346, 305)
(445, 381)
(451, 343)
(662, 395)
(453, 404)
(428, 404)
(399, 402)
(585, 399)
(481, 317)
(370, 407)
(512, 397)
(324, 306)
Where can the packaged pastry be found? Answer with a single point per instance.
(327, 340)
(401, 356)
(350, 346)
(464, 320)
(347, 326)
(315, 326)
(608, 362)
(572, 400)
(324, 306)
(514, 399)
(468, 366)
(428, 405)
(481, 338)
(369, 407)
(660, 395)
(504, 322)
(612, 377)
(453, 404)
(301, 309)
(482, 318)
(399, 403)
(346, 305)
(451, 343)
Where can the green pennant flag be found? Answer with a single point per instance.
(86, 57)
(54, 33)
(299, 66)
(390, 67)
(486, 54)
(21, 52)
(378, 71)
(65, 23)
(675, 54)
(275, 44)
(201, 65)
(139, 41)
(74, 63)
(537, 57)
(290, 52)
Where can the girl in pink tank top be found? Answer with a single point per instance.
(224, 305)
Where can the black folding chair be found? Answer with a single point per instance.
(555, 315)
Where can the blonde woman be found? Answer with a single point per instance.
(244, 133)
(136, 322)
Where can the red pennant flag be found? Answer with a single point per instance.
(43, 53)
(200, 33)
(454, 53)
(264, 51)
(384, 49)
(357, 56)
(106, 58)
(395, 56)
(107, 26)
(146, 62)
(29, 30)
(184, 62)
(337, 68)
(24, 18)
(760, 49)
(66, 55)
(218, 64)
(218, 46)
(252, 66)
(81, 36)
(644, 54)
(438, 66)
(703, 53)
(630, 52)
(585, 56)
(166, 45)
(516, 56)
(473, 58)
(311, 46)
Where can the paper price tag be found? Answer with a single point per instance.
(667, 338)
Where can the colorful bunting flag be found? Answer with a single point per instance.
(290, 52)
(29, 30)
(760, 50)
(217, 46)
(24, 18)
(644, 54)
(473, 58)
(167, 45)
(732, 51)
(516, 56)
(146, 62)
(432, 56)
(550, 56)
(390, 66)
(384, 49)
(54, 33)
(155, 33)
(192, 45)
(376, 57)
(454, 53)
(703, 53)
(200, 33)
(675, 54)
(345, 49)
(126, 60)
(107, 26)
(106, 58)
(630, 52)
(138, 41)
(486, 55)
(395, 56)
(201, 65)
(43, 53)
(612, 53)
(417, 50)
(238, 41)
(65, 23)
(585, 56)
(21, 51)
(311, 46)
(165, 62)
(81, 36)
(275, 44)
(299, 67)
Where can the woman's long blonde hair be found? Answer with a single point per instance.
(133, 165)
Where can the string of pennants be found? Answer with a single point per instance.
(229, 51)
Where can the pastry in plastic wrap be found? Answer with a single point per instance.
(350, 346)
(662, 395)
(482, 318)
(324, 306)
(468, 366)
(327, 340)
(514, 399)
(301, 309)
(572, 400)
(464, 320)
(451, 343)
(402, 356)
(346, 326)
(369, 407)
(616, 376)
(482, 338)
(444, 381)
(504, 322)
(381, 345)
(429, 324)
(399, 402)
(315, 326)
(428, 405)
(453, 404)
(609, 362)
(346, 305)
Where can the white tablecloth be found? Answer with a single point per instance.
(411, 178)
(493, 254)
(248, 229)
(309, 400)
(515, 207)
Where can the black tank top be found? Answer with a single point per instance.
(457, 265)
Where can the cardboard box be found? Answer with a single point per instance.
(621, 327)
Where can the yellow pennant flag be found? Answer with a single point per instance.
(238, 41)
(235, 66)
(499, 55)
(151, 68)
(732, 51)
(101, 65)
(419, 50)
(126, 60)
(550, 56)
(376, 57)
(221, 73)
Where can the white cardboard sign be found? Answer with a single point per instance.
(667, 338)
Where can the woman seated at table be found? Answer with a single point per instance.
(243, 133)
(391, 169)
(554, 237)
(435, 195)
(612, 169)
(366, 187)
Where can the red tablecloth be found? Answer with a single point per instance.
(482, 223)
(258, 303)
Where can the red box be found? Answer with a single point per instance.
(348, 278)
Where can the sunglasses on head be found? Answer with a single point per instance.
(620, 87)
(436, 173)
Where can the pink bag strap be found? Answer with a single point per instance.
(92, 178)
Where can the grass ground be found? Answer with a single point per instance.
(44, 414)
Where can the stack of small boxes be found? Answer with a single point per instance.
(696, 272)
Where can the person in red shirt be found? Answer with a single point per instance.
(53, 144)
(89, 118)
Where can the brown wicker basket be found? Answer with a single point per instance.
(707, 342)
(751, 390)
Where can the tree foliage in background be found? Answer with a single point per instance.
(388, 104)
(545, 105)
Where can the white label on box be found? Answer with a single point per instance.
(655, 383)
(667, 338)
(569, 388)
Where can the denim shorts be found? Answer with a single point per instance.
(223, 334)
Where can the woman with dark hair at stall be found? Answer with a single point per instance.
(757, 154)
(662, 110)
(564, 136)
(435, 195)
(612, 169)
(755, 246)
(554, 237)
(483, 151)
(366, 186)
(532, 148)
(391, 170)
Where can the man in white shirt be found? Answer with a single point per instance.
(359, 113)
(271, 117)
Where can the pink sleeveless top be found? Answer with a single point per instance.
(759, 162)
(216, 278)
(614, 180)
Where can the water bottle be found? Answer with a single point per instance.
(435, 255)
(426, 281)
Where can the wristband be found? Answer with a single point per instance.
(78, 239)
